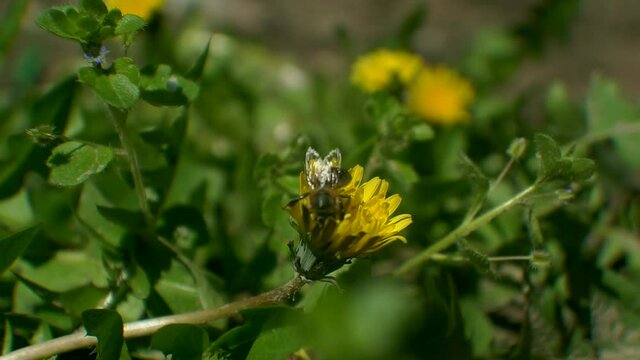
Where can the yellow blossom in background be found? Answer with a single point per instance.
(142, 8)
(440, 95)
(377, 70)
(366, 224)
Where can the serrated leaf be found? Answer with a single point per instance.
(119, 89)
(106, 325)
(73, 162)
(182, 341)
(12, 246)
(548, 154)
(62, 21)
(128, 24)
(551, 164)
(132, 220)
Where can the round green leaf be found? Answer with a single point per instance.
(73, 162)
(117, 90)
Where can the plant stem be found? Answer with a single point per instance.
(464, 229)
(79, 340)
(119, 118)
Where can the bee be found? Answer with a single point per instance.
(325, 177)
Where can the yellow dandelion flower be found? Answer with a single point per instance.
(142, 8)
(378, 70)
(362, 224)
(440, 95)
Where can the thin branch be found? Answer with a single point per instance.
(79, 340)
(119, 122)
(464, 229)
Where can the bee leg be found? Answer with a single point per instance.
(295, 200)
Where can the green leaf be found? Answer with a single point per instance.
(118, 90)
(54, 109)
(182, 341)
(94, 7)
(132, 220)
(77, 300)
(161, 87)
(178, 289)
(608, 112)
(12, 246)
(198, 67)
(551, 164)
(127, 67)
(477, 327)
(271, 206)
(63, 22)
(410, 25)
(404, 174)
(129, 24)
(7, 339)
(73, 162)
(582, 168)
(422, 132)
(565, 119)
(10, 28)
(276, 343)
(106, 325)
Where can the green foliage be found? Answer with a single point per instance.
(106, 325)
(12, 246)
(118, 87)
(182, 341)
(73, 162)
(113, 210)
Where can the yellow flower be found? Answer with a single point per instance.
(362, 226)
(142, 8)
(378, 70)
(440, 95)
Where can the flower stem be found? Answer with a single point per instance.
(464, 229)
(78, 340)
(119, 118)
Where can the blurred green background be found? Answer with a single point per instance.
(218, 170)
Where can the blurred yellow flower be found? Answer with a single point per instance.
(378, 70)
(363, 226)
(142, 8)
(440, 95)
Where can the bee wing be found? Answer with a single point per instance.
(334, 158)
(310, 160)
